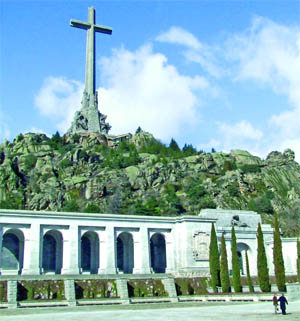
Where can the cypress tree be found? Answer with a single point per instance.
(249, 280)
(277, 257)
(214, 259)
(236, 277)
(298, 259)
(262, 263)
(225, 281)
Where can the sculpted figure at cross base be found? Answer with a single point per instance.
(89, 119)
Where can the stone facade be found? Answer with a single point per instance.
(34, 243)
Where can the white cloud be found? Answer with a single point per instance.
(180, 36)
(241, 130)
(195, 51)
(270, 54)
(59, 98)
(142, 89)
(241, 135)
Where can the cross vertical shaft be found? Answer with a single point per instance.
(90, 79)
(91, 27)
(89, 119)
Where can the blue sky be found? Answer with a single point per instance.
(221, 74)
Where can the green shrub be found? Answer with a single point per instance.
(65, 163)
(19, 138)
(41, 290)
(3, 291)
(56, 141)
(189, 150)
(261, 205)
(191, 286)
(70, 206)
(250, 168)
(95, 289)
(146, 288)
(92, 208)
(228, 166)
(206, 202)
(30, 161)
(234, 190)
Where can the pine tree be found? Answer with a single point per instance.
(236, 277)
(262, 264)
(225, 281)
(249, 280)
(277, 257)
(174, 146)
(214, 259)
(298, 259)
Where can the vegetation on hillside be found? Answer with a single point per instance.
(145, 177)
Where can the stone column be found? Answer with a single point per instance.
(243, 253)
(229, 254)
(102, 252)
(107, 248)
(122, 289)
(170, 251)
(32, 250)
(70, 292)
(12, 287)
(141, 252)
(71, 250)
(169, 285)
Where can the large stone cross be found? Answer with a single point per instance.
(91, 27)
(89, 119)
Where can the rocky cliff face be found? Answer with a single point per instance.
(79, 173)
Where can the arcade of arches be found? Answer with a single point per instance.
(36, 243)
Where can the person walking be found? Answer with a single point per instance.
(275, 303)
(282, 300)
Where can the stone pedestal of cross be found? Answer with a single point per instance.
(89, 119)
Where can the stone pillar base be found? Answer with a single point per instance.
(109, 270)
(32, 271)
(141, 271)
(9, 272)
(70, 271)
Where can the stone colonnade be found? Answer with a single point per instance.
(34, 243)
(39, 248)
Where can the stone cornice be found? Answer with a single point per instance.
(102, 217)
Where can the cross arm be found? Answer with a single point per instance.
(80, 24)
(102, 29)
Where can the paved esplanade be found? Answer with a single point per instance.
(177, 312)
(89, 119)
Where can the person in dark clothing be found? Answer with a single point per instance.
(275, 303)
(282, 300)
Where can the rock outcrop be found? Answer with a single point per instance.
(80, 173)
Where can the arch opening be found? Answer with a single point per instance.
(12, 251)
(125, 253)
(158, 253)
(52, 252)
(89, 253)
(241, 251)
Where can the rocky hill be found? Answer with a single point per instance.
(145, 177)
